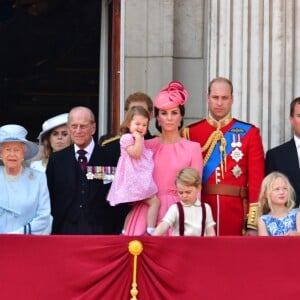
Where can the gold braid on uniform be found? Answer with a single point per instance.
(186, 133)
(252, 216)
(210, 146)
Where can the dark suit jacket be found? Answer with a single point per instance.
(62, 183)
(284, 159)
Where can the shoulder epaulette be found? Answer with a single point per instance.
(241, 121)
(196, 123)
(185, 130)
(112, 139)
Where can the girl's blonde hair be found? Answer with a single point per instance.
(266, 188)
(189, 177)
(133, 111)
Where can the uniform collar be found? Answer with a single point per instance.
(221, 123)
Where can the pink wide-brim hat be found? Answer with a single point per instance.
(171, 96)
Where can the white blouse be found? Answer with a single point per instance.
(192, 219)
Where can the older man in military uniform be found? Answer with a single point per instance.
(78, 200)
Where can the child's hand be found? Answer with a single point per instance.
(136, 135)
(136, 149)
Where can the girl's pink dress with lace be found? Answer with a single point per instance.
(134, 177)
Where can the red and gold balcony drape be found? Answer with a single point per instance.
(179, 268)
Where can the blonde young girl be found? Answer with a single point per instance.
(276, 202)
(193, 215)
(133, 179)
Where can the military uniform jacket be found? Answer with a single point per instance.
(243, 166)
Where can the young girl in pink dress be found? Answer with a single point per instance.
(133, 179)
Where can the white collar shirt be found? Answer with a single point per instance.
(297, 143)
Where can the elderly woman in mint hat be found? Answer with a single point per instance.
(24, 196)
(53, 137)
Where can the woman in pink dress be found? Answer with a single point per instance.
(171, 153)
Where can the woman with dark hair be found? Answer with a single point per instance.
(171, 153)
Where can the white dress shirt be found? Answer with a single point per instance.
(297, 142)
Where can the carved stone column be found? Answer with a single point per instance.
(256, 44)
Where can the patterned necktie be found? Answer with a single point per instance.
(82, 160)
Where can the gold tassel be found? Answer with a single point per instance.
(210, 145)
(135, 248)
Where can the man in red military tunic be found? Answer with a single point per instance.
(233, 162)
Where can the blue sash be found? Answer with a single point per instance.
(214, 160)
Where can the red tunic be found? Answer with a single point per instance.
(246, 170)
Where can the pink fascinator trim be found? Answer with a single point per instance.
(171, 96)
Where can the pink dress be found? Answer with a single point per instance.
(133, 179)
(169, 159)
